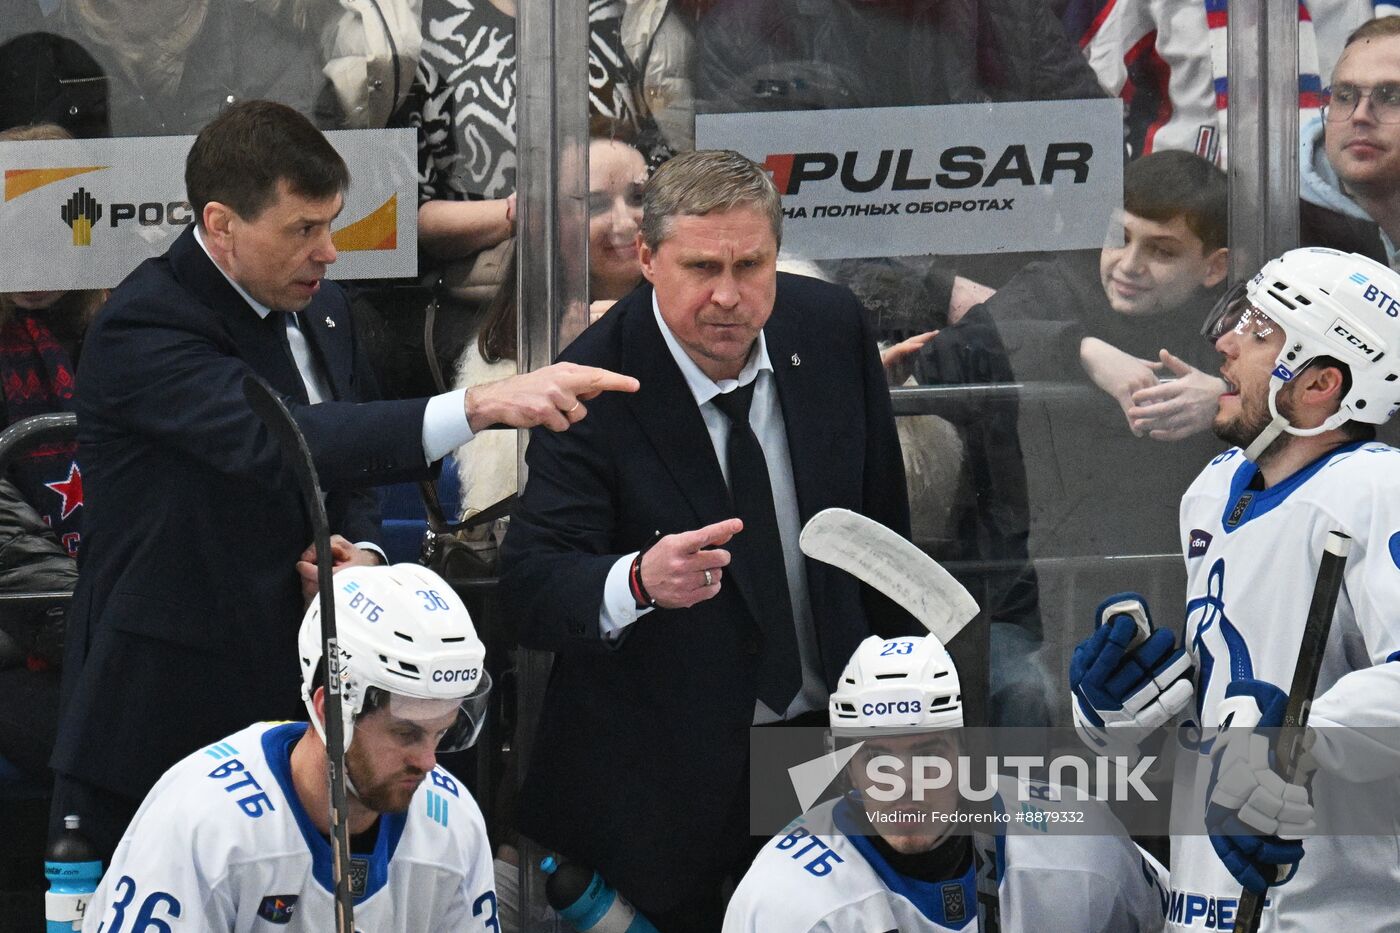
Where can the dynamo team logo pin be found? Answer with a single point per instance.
(277, 908)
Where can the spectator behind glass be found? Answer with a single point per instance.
(1351, 159)
(472, 44)
(461, 241)
(1146, 298)
(1166, 60)
(173, 65)
(659, 38)
(820, 54)
(46, 78)
(1119, 319)
(616, 176)
(40, 503)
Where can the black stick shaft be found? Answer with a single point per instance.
(297, 455)
(1295, 717)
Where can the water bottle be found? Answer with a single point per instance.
(73, 869)
(588, 902)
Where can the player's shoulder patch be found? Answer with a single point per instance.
(236, 776)
(444, 799)
(810, 848)
(447, 815)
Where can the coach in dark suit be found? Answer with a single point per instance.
(669, 651)
(196, 560)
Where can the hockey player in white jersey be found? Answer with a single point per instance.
(1311, 355)
(858, 864)
(235, 836)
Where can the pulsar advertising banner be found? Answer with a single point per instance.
(84, 213)
(961, 178)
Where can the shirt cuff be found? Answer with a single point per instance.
(445, 425)
(619, 609)
(371, 546)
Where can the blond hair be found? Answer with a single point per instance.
(705, 180)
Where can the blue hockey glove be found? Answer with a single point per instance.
(1127, 680)
(1255, 817)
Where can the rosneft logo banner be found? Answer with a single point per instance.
(963, 178)
(84, 213)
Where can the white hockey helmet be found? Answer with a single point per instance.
(897, 684)
(1328, 303)
(401, 630)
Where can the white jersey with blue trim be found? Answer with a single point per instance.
(1251, 561)
(222, 843)
(808, 879)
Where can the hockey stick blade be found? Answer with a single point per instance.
(1288, 744)
(881, 559)
(267, 406)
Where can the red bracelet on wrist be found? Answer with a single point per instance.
(639, 592)
(640, 595)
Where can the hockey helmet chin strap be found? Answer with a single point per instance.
(1278, 424)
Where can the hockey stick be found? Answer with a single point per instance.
(1288, 745)
(984, 856)
(894, 567)
(297, 455)
(881, 559)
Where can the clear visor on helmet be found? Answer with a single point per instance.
(459, 719)
(1235, 312)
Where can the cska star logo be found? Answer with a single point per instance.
(71, 489)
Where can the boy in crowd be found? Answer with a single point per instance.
(1122, 319)
(1120, 322)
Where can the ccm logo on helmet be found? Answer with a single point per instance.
(882, 709)
(1370, 351)
(452, 677)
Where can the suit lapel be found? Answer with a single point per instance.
(260, 342)
(669, 417)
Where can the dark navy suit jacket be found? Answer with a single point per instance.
(183, 626)
(642, 746)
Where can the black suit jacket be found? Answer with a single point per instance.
(183, 626)
(640, 758)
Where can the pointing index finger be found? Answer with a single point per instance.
(591, 381)
(718, 533)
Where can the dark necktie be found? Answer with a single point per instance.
(760, 547)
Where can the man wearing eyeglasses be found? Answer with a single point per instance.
(1351, 157)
